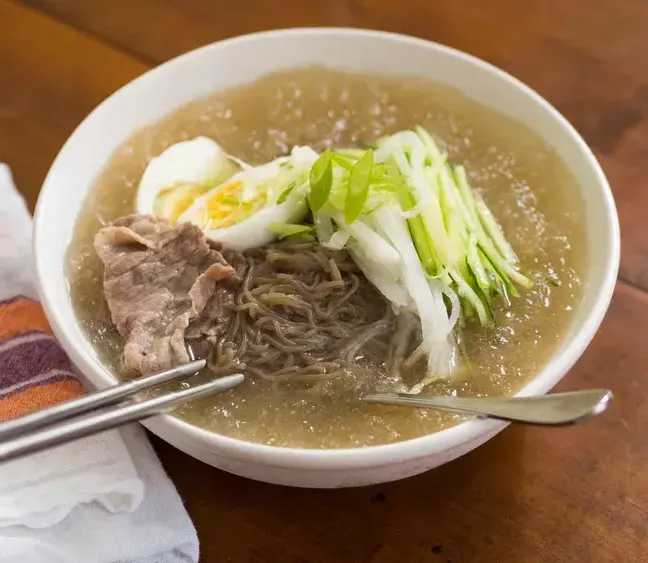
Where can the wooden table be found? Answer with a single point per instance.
(528, 496)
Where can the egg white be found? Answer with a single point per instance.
(196, 161)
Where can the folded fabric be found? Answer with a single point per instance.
(101, 499)
(34, 372)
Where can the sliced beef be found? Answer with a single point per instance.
(157, 279)
(211, 324)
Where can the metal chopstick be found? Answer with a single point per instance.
(95, 400)
(69, 430)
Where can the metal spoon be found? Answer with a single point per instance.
(557, 409)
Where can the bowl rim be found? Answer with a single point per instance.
(365, 456)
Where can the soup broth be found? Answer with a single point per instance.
(526, 185)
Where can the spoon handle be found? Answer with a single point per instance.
(555, 410)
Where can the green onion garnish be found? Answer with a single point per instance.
(321, 180)
(358, 187)
(289, 229)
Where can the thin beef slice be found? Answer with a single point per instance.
(157, 278)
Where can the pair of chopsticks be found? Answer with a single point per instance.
(103, 410)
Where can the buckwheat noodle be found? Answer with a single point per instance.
(303, 314)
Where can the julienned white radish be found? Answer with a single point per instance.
(385, 280)
(367, 238)
(427, 300)
(337, 240)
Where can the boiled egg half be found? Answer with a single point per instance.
(185, 171)
(240, 211)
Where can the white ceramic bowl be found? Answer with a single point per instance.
(241, 60)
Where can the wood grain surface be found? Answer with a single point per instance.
(530, 495)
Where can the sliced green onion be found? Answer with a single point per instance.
(342, 161)
(358, 187)
(321, 180)
(289, 229)
(355, 154)
(283, 196)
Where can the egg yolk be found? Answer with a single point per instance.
(225, 207)
(173, 202)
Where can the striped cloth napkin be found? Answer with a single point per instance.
(34, 372)
(102, 499)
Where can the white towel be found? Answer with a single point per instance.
(102, 499)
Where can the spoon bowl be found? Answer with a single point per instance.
(556, 409)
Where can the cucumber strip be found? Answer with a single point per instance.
(475, 264)
(480, 294)
(464, 290)
(505, 280)
(493, 229)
